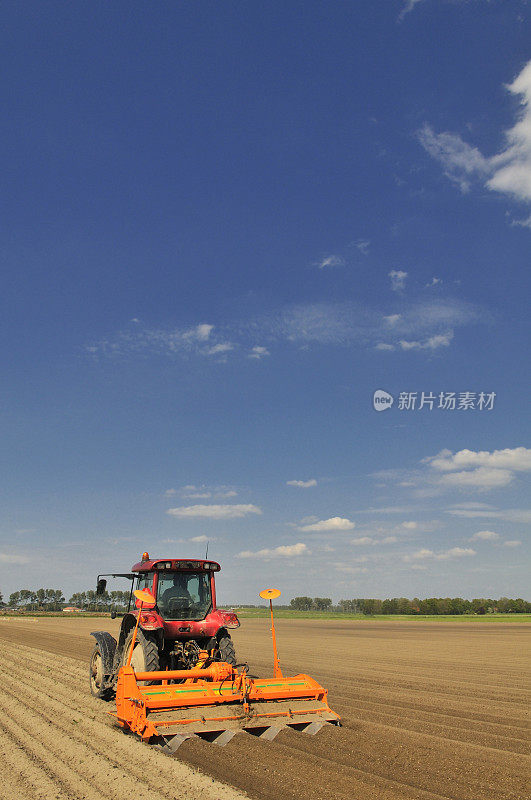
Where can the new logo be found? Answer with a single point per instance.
(382, 400)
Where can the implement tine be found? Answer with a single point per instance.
(310, 728)
(220, 738)
(264, 733)
(171, 744)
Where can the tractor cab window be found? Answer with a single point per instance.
(184, 595)
(145, 581)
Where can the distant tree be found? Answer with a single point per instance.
(14, 599)
(479, 605)
(457, 606)
(41, 597)
(503, 605)
(348, 606)
(517, 606)
(92, 599)
(119, 599)
(54, 599)
(78, 599)
(404, 605)
(322, 603)
(27, 597)
(370, 606)
(301, 603)
(443, 605)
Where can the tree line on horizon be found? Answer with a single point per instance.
(402, 605)
(54, 600)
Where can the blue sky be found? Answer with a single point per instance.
(224, 227)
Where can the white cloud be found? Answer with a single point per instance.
(282, 551)
(139, 340)
(259, 352)
(201, 539)
(221, 347)
(420, 554)
(384, 346)
(410, 526)
(440, 340)
(204, 492)
(460, 161)
(522, 223)
(194, 491)
(409, 5)
(201, 332)
(512, 543)
(392, 319)
(434, 282)
(486, 536)
(398, 279)
(8, 558)
(363, 246)
(472, 504)
(512, 167)
(170, 492)
(331, 524)
(302, 484)
(350, 570)
(389, 540)
(507, 172)
(331, 261)
(425, 554)
(480, 478)
(426, 324)
(480, 469)
(431, 343)
(518, 515)
(386, 509)
(214, 511)
(516, 458)
(362, 540)
(457, 552)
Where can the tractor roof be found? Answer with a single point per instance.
(174, 565)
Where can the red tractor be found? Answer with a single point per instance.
(174, 631)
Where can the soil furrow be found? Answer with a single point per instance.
(430, 712)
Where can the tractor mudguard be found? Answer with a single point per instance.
(107, 645)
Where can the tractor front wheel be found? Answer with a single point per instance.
(225, 649)
(97, 687)
(145, 656)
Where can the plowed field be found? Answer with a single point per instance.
(431, 711)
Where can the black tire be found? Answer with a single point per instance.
(97, 688)
(226, 651)
(145, 654)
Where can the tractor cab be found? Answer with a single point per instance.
(183, 590)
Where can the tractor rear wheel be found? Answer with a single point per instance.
(145, 656)
(226, 649)
(97, 687)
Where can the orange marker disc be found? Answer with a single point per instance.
(270, 594)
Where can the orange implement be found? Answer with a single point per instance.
(216, 709)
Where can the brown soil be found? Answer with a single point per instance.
(429, 711)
